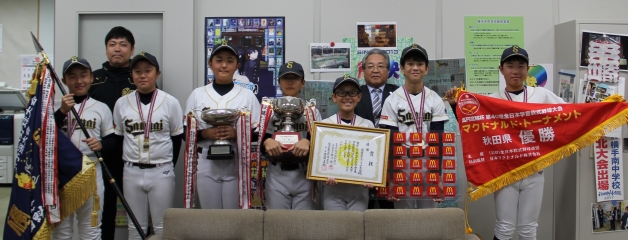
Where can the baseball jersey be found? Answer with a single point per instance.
(96, 118)
(359, 121)
(535, 95)
(396, 110)
(166, 121)
(206, 97)
(300, 125)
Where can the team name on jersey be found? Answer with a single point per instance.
(300, 127)
(136, 127)
(405, 117)
(89, 124)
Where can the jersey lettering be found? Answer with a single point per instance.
(405, 117)
(299, 127)
(89, 124)
(137, 127)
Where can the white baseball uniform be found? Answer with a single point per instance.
(519, 204)
(288, 189)
(96, 118)
(396, 112)
(148, 173)
(343, 196)
(218, 179)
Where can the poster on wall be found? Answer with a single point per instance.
(485, 39)
(609, 216)
(260, 44)
(330, 57)
(539, 75)
(382, 35)
(609, 171)
(594, 91)
(28, 63)
(321, 90)
(567, 86)
(445, 74)
(594, 40)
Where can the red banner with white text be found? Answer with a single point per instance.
(504, 142)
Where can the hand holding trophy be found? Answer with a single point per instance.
(220, 149)
(288, 109)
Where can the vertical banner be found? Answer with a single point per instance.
(609, 169)
(485, 38)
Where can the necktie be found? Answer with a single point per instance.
(377, 105)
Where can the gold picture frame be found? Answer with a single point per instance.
(349, 154)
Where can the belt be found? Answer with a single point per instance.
(144, 165)
(288, 166)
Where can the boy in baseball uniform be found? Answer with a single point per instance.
(343, 196)
(517, 205)
(409, 109)
(77, 76)
(286, 183)
(218, 178)
(151, 124)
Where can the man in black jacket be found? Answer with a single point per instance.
(111, 82)
(375, 65)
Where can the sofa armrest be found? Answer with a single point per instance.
(154, 237)
(471, 237)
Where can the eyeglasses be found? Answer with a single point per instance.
(345, 93)
(379, 68)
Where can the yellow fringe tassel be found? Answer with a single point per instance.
(467, 227)
(77, 191)
(96, 207)
(549, 159)
(44, 232)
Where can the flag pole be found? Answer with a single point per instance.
(106, 171)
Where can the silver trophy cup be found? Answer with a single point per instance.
(288, 109)
(220, 148)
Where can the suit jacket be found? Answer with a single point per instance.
(364, 108)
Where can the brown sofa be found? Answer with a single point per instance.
(192, 224)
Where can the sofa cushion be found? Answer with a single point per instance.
(401, 224)
(312, 224)
(232, 224)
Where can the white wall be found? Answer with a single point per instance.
(437, 25)
(18, 19)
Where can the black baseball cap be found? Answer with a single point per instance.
(346, 79)
(225, 45)
(291, 67)
(413, 47)
(514, 51)
(145, 56)
(75, 61)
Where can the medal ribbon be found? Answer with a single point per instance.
(525, 94)
(148, 124)
(71, 124)
(265, 116)
(340, 120)
(417, 123)
(243, 130)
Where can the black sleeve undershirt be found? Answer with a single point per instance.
(176, 147)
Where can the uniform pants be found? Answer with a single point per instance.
(218, 183)
(288, 189)
(65, 229)
(149, 190)
(518, 205)
(345, 197)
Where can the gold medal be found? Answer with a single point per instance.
(146, 146)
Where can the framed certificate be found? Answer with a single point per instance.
(355, 155)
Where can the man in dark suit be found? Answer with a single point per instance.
(375, 65)
(600, 215)
(624, 219)
(613, 218)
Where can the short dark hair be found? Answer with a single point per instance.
(416, 56)
(514, 59)
(120, 32)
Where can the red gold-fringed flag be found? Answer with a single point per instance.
(504, 142)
